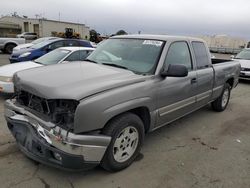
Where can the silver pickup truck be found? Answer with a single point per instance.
(7, 44)
(79, 115)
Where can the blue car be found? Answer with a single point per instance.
(42, 48)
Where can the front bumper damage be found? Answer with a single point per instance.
(49, 144)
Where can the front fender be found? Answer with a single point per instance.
(95, 111)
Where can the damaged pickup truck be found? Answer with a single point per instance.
(79, 115)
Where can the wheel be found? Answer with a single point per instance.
(9, 48)
(127, 132)
(222, 101)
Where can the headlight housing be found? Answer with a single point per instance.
(25, 54)
(6, 79)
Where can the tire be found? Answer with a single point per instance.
(9, 48)
(220, 104)
(126, 131)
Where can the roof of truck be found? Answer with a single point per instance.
(159, 37)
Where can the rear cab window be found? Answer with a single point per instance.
(201, 55)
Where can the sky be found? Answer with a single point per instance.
(175, 17)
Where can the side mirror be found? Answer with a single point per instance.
(232, 56)
(175, 71)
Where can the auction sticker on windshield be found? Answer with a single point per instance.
(152, 42)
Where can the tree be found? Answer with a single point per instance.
(121, 32)
(94, 36)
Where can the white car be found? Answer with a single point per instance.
(59, 55)
(244, 58)
(8, 44)
(27, 45)
(27, 36)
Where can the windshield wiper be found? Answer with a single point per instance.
(92, 61)
(120, 66)
(115, 65)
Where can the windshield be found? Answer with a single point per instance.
(138, 55)
(52, 57)
(244, 54)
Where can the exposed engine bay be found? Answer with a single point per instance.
(58, 111)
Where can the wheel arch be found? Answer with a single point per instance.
(142, 112)
(8, 43)
(230, 81)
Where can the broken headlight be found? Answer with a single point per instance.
(59, 111)
(63, 112)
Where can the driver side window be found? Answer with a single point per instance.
(75, 56)
(78, 56)
(56, 45)
(179, 54)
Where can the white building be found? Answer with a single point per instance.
(45, 27)
(224, 41)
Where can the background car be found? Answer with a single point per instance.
(42, 48)
(27, 45)
(27, 36)
(244, 58)
(7, 44)
(60, 55)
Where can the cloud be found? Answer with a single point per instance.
(192, 17)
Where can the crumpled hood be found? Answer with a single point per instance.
(10, 69)
(244, 63)
(75, 80)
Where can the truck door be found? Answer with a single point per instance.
(205, 73)
(176, 96)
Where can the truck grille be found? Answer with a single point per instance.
(59, 111)
(245, 69)
(244, 76)
(34, 102)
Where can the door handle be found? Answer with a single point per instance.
(193, 80)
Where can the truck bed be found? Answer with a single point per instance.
(217, 61)
(224, 70)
